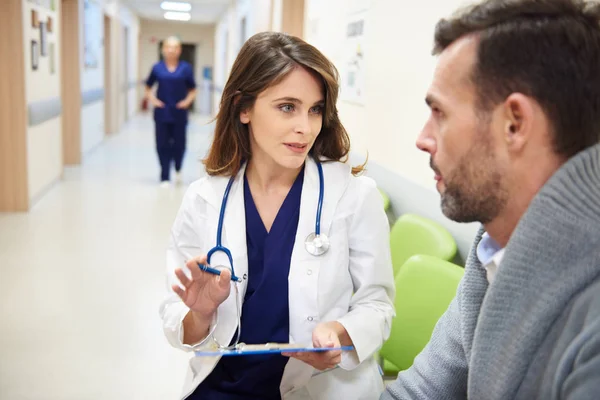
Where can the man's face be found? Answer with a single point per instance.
(463, 141)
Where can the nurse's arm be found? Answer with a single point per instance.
(149, 94)
(185, 103)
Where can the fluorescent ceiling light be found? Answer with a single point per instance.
(177, 16)
(176, 6)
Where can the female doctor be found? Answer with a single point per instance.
(276, 176)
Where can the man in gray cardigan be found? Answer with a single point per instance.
(513, 138)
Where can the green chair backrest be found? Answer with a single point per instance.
(425, 286)
(413, 234)
(386, 200)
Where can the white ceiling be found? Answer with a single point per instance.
(203, 11)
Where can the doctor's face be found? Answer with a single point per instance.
(286, 119)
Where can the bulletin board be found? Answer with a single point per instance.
(355, 52)
(93, 22)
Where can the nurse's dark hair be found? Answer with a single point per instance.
(264, 61)
(548, 50)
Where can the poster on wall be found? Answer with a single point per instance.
(92, 33)
(353, 66)
(43, 39)
(48, 4)
(35, 19)
(51, 58)
(35, 55)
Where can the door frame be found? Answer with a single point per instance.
(14, 189)
(70, 88)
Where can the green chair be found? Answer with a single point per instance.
(386, 200)
(425, 286)
(413, 234)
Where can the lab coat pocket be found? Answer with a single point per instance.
(335, 281)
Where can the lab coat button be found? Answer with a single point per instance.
(310, 319)
(309, 272)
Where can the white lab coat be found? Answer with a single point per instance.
(352, 283)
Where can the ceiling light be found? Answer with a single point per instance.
(178, 16)
(175, 6)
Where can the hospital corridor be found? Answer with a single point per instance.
(299, 199)
(82, 277)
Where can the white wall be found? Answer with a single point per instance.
(124, 54)
(277, 15)
(152, 32)
(129, 58)
(92, 115)
(229, 39)
(399, 67)
(44, 141)
(129, 20)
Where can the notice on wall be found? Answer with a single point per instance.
(92, 30)
(353, 71)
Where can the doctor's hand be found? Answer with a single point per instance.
(324, 335)
(204, 292)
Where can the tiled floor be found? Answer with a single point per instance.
(82, 276)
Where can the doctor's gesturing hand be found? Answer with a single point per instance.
(202, 294)
(327, 334)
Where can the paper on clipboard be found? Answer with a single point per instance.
(243, 349)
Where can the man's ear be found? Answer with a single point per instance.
(519, 114)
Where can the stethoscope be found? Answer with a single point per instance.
(316, 243)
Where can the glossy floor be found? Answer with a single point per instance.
(82, 276)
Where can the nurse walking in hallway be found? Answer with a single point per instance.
(176, 92)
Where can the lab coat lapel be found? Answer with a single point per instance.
(303, 279)
(336, 178)
(234, 226)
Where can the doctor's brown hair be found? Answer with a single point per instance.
(264, 61)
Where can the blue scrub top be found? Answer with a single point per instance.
(172, 88)
(265, 312)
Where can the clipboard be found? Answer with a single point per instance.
(243, 349)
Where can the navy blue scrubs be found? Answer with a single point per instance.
(171, 122)
(265, 312)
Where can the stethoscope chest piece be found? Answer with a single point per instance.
(316, 244)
